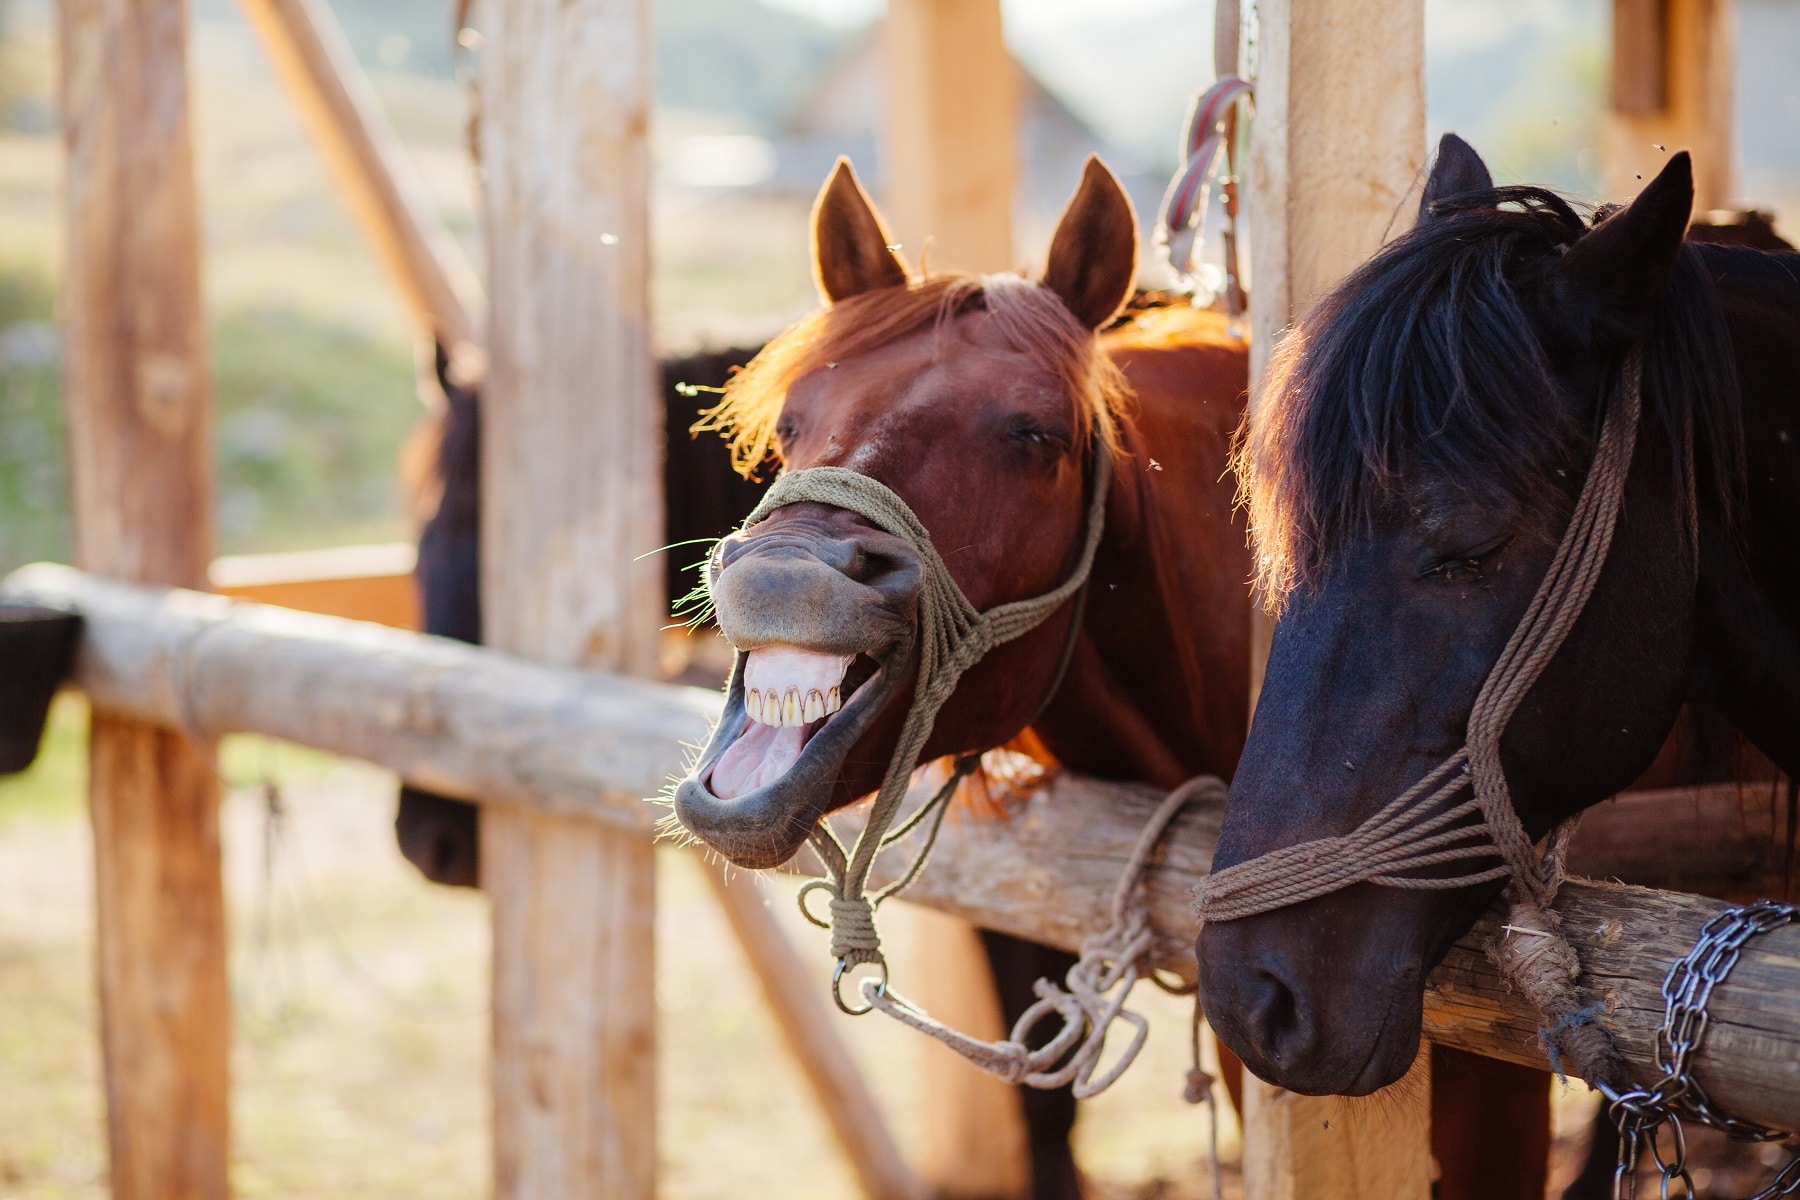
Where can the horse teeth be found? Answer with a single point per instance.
(753, 703)
(771, 708)
(815, 707)
(832, 702)
(790, 707)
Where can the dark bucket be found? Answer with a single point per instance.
(37, 651)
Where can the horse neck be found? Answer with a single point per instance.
(1157, 688)
(1750, 586)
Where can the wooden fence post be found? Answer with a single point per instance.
(1336, 146)
(137, 391)
(571, 498)
(1671, 90)
(950, 150)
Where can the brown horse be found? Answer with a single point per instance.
(982, 402)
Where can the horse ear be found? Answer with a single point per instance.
(1605, 285)
(852, 250)
(1093, 257)
(1458, 170)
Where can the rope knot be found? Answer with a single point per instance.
(853, 936)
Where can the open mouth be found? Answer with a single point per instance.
(767, 773)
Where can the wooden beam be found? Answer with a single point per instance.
(1672, 89)
(950, 158)
(137, 393)
(1337, 144)
(366, 161)
(476, 723)
(949, 169)
(364, 583)
(571, 506)
(1640, 56)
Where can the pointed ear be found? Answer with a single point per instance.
(850, 244)
(1458, 170)
(1093, 257)
(1604, 287)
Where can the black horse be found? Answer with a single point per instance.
(1409, 472)
(705, 500)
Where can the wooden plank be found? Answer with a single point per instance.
(363, 583)
(949, 169)
(1640, 56)
(571, 506)
(367, 163)
(1338, 141)
(950, 142)
(811, 1035)
(1692, 108)
(137, 393)
(476, 723)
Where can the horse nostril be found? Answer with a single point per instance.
(1282, 1023)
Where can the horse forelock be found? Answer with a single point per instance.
(1028, 317)
(1426, 366)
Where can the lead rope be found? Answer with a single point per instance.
(1092, 996)
(953, 636)
(1424, 828)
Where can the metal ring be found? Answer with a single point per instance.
(844, 967)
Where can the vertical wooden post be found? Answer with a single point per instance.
(950, 150)
(571, 476)
(950, 163)
(1337, 144)
(1671, 90)
(138, 395)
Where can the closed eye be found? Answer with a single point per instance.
(1477, 565)
(1030, 430)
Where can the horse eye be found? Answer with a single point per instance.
(784, 429)
(1027, 429)
(1469, 566)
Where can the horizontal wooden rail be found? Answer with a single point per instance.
(475, 723)
(364, 583)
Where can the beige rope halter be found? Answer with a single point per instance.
(1424, 828)
(953, 636)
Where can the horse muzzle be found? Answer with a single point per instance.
(822, 609)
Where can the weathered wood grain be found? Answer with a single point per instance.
(571, 505)
(477, 723)
(1335, 148)
(369, 166)
(137, 395)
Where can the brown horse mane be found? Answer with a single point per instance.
(1031, 318)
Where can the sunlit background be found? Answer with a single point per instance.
(361, 1035)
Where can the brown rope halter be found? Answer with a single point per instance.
(1427, 827)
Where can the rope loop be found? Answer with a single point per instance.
(1092, 996)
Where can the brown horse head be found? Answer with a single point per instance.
(982, 401)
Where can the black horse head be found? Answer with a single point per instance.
(1409, 471)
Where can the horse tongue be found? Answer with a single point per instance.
(761, 755)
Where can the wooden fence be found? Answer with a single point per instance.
(587, 746)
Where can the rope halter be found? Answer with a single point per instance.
(1427, 826)
(952, 637)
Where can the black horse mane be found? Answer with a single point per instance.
(1430, 363)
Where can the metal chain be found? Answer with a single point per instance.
(1643, 1113)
